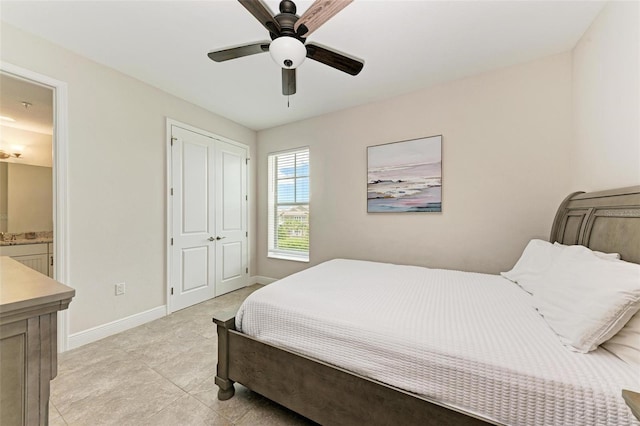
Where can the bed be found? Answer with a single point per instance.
(349, 355)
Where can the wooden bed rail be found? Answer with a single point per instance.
(319, 391)
(633, 401)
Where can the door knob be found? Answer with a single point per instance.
(211, 239)
(220, 238)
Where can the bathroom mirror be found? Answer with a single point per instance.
(26, 194)
(26, 180)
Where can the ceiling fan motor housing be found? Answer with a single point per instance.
(287, 18)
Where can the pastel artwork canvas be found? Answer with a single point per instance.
(405, 176)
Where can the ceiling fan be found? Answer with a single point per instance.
(288, 34)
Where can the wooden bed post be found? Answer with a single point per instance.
(225, 321)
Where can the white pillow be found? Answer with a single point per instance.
(600, 254)
(585, 299)
(536, 259)
(626, 344)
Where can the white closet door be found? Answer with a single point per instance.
(231, 218)
(193, 251)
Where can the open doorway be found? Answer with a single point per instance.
(56, 92)
(26, 173)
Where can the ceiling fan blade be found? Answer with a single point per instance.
(288, 81)
(262, 13)
(239, 51)
(334, 59)
(317, 14)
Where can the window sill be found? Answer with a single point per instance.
(288, 257)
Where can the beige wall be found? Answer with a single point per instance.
(117, 176)
(505, 170)
(516, 141)
(606, 101)
(29, 198)
(3, 196)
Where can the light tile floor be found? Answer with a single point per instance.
(160, 373)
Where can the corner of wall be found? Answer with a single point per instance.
(606, 101)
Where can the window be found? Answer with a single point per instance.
(289, 205)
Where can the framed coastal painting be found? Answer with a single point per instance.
(405, 176)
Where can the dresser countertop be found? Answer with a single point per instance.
(23, 289)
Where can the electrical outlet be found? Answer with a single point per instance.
(119, 289)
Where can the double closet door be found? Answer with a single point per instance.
(208, 197)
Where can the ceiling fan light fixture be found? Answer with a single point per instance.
(287, 52)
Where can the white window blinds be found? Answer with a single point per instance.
(289, 205)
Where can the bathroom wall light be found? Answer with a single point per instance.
(5, 155)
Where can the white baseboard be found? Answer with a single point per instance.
(100, 332)
(257, 279)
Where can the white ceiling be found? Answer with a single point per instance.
(406, 46)
(30, 134)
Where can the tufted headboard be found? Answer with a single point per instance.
(607, 221)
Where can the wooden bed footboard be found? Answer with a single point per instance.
(321, 392)
(225, 321)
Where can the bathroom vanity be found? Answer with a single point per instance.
(36, 252)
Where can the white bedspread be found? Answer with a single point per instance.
(471, 341)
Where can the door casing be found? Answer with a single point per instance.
(60, 185)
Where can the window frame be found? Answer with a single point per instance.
(273, 206)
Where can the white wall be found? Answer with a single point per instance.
(117, 177)
(506, 140)
(606, 101)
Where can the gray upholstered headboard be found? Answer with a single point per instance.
(606, 221)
